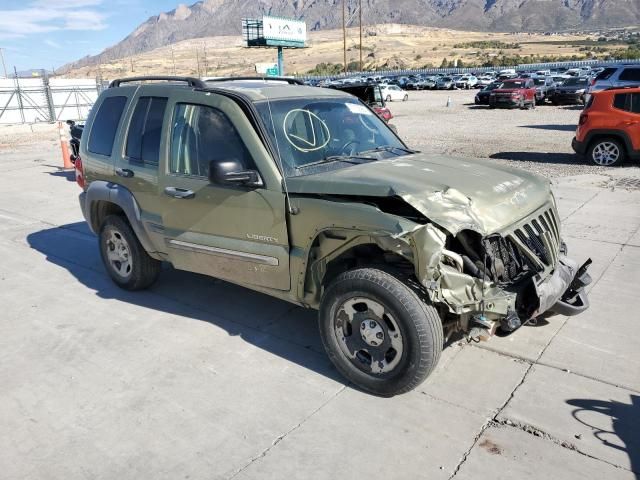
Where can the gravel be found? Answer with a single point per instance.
(536, 140)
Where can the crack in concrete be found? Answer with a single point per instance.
(537, 432)
(489, 422)
(280, 438)
(580, 207)
(519, 358)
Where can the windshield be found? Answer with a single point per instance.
(513, 84)
(332, 132)
(575, 81)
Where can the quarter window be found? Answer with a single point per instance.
(105, 125)
(621, 101)
(635, 102)
(143, 140)
(201, 135)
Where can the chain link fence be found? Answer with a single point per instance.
(33, 100)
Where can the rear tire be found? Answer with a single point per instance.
(124, 257)
(607, 152)
(405, 98)
(378, 332)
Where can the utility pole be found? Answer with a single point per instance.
(360, 8)
(344, 32)
(173, 60)
(206, 61)
(198, 61)
(4, 67)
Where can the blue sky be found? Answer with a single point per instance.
(50, 33)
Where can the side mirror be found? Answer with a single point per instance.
(70, 122)
(232, 172)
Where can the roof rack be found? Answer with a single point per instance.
(193, 82)
(290, 81)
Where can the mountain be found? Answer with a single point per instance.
(222, 17)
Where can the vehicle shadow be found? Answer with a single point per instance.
(541, 157)
(69, 175)
(563, 128)
(625, 421)
(273, 325)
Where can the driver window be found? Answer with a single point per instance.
(200, 135)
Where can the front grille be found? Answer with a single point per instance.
(539, 239)
(507, 263)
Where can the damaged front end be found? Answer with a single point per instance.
(501, 280)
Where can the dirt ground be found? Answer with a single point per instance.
(536, 140)
(385, 46)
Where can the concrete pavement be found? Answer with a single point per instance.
(197, 378)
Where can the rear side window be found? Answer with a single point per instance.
(630, 74)
(201, 135)
(635, 102)
(622, 101)
(606, 73)
(105, 125)
(143, 140)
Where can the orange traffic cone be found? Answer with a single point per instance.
(64, 146)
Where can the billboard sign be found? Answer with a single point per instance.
(277, 29)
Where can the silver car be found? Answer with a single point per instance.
(445, 83)
(615, 76)
(468, 81)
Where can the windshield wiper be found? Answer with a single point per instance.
(354, 159)
(391, 149)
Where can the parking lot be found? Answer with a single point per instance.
(197, 378)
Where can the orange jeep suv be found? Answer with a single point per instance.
(609, 129)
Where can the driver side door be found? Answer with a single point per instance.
(229, 231)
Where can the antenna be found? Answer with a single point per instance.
(292, 210)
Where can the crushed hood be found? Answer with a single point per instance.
(455, 193)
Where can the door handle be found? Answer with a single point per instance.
(124, 172)
(180, 193)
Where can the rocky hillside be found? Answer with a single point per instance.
(222, 17)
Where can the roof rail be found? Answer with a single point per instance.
(290, 81)
(193, 82)
(623, 87)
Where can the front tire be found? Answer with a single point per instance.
(388, 98)
(378, 332)
(405, 98)
(606, 152)
(124, 257)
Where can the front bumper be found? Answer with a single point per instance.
(564, 291)
(571, 98)
(505, 102)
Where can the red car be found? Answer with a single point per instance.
(609, 129)
(514, 93)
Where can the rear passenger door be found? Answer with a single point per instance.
(237, 233)
(139, 159)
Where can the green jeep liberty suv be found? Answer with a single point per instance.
(305, 194)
